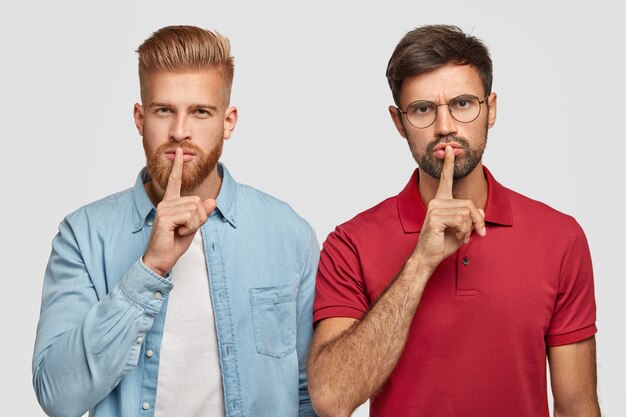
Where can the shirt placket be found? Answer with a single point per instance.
(212, 232)
(466, 284)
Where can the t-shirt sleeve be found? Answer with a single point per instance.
(340, 289)
(574, 315)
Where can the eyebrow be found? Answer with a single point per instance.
(194, 106)
(455, 97)
(203, 106)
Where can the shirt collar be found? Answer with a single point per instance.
(226, 199)
(143, 205)
(412, 209)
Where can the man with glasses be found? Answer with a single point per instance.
(446, 299)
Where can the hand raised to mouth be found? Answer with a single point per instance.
(176, 222)
(449, 222)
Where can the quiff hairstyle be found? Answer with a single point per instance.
(430, 47)
(186, 48)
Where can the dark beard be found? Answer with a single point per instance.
(194, 173)
(462, 166)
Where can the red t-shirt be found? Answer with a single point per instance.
(477, 344)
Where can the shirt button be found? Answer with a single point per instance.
(465, 261)
(158, 295)
(149, 353)
(145, 406)
(139, 340)
(150, 222)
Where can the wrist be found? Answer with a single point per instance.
(418, 267)
(153, 268)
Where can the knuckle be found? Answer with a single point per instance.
(465, 211)
(161, 210)
(435, 216)
(440, 210)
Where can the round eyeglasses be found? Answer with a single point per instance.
(423, 113)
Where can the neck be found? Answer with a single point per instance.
(473, 187)
(209, 188)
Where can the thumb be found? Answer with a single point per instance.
(209, 205)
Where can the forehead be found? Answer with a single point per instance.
(183, 87)
(442, 84)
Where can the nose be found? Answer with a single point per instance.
(445, 123)
(179, 130)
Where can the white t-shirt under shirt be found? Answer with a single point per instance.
(190, 379)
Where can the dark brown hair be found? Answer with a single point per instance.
(430, 47)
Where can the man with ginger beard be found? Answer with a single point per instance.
(446, 299)
(188, 294)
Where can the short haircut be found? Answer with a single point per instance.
(186, 48)
(430, 47)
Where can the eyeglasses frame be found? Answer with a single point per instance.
(449, 111)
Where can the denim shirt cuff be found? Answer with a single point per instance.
(145, 287)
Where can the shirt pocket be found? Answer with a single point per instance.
(274, 319)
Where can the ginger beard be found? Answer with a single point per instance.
(194, 172)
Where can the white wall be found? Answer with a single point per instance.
(313, 130)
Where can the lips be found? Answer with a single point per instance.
(188, 155)
(442, 146)
(185, 152)
(440, 150)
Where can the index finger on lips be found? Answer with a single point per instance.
(175, 180)
(447, 175)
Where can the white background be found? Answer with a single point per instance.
(314, 128)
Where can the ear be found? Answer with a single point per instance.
(492, 105)
(230, 120)
(138, 116)
(396, 117)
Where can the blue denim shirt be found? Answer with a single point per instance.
(102, 311)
